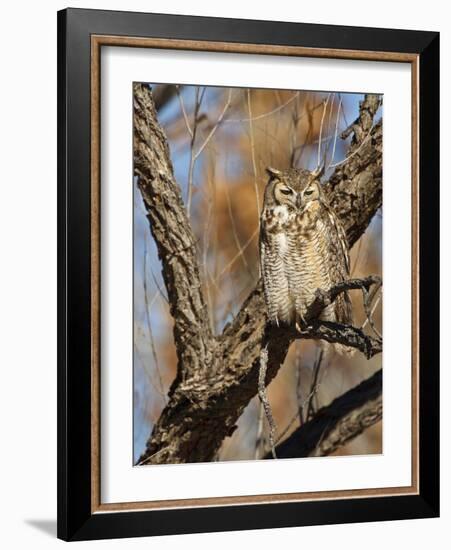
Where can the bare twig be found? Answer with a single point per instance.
(192, 158)
(325, 103)
(239, 253)
(314, 384)
(235, 233)
(293, 419)
(329, 120)
(149, 328)
(254, 164)
(259, 439)
(215, 127)
(146, 371)
(369, 311)
(335, 133)
(264, 115)
(298, 366)
(356, 151)
(185, 116)
(148, 458)
(357, 257)
(264, 398)
(206, 247)
(160, 290)
(373, 309)
(194, 155)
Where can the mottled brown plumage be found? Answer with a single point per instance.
(303, 247)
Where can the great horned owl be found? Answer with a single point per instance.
(303, 247)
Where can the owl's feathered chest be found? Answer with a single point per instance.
(296, 245)
(283, 222)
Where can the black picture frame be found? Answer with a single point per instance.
(76, 521)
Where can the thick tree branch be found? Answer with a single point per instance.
(343, 334)
(338, 423)
(355, 188)
(218, 377)
(173, 236)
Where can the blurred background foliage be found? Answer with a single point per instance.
(221, 141)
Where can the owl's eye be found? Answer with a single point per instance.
(286, 191)
(309, 192)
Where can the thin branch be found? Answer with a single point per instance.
(287, 428)
(235, 233)
(206, 247)
(146, 371)
(185, 116)
(314, 384)
(149, 328)
(264, 115)
(335, 133)
(357, 257)
(348, 158)
(259, 439)
(369, 311)
(195, 155)
(329, 120)
(264, 398)
(160, 290)
(325, 103)
(254, 164)
(298, 366)
(192, 158)
(294, 418)
(215, 127)
(239, 253)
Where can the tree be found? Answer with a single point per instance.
(217, 376)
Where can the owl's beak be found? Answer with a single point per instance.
(298, 200)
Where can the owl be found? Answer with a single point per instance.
(303, 247)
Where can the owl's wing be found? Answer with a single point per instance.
(340, 243)
(339, 265)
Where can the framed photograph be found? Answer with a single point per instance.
(248, 274)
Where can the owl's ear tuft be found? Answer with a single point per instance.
(272, 172)
(318, 172)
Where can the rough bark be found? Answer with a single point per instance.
(355, 187)
(173, 236)
(335, 425)
(217, 377)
